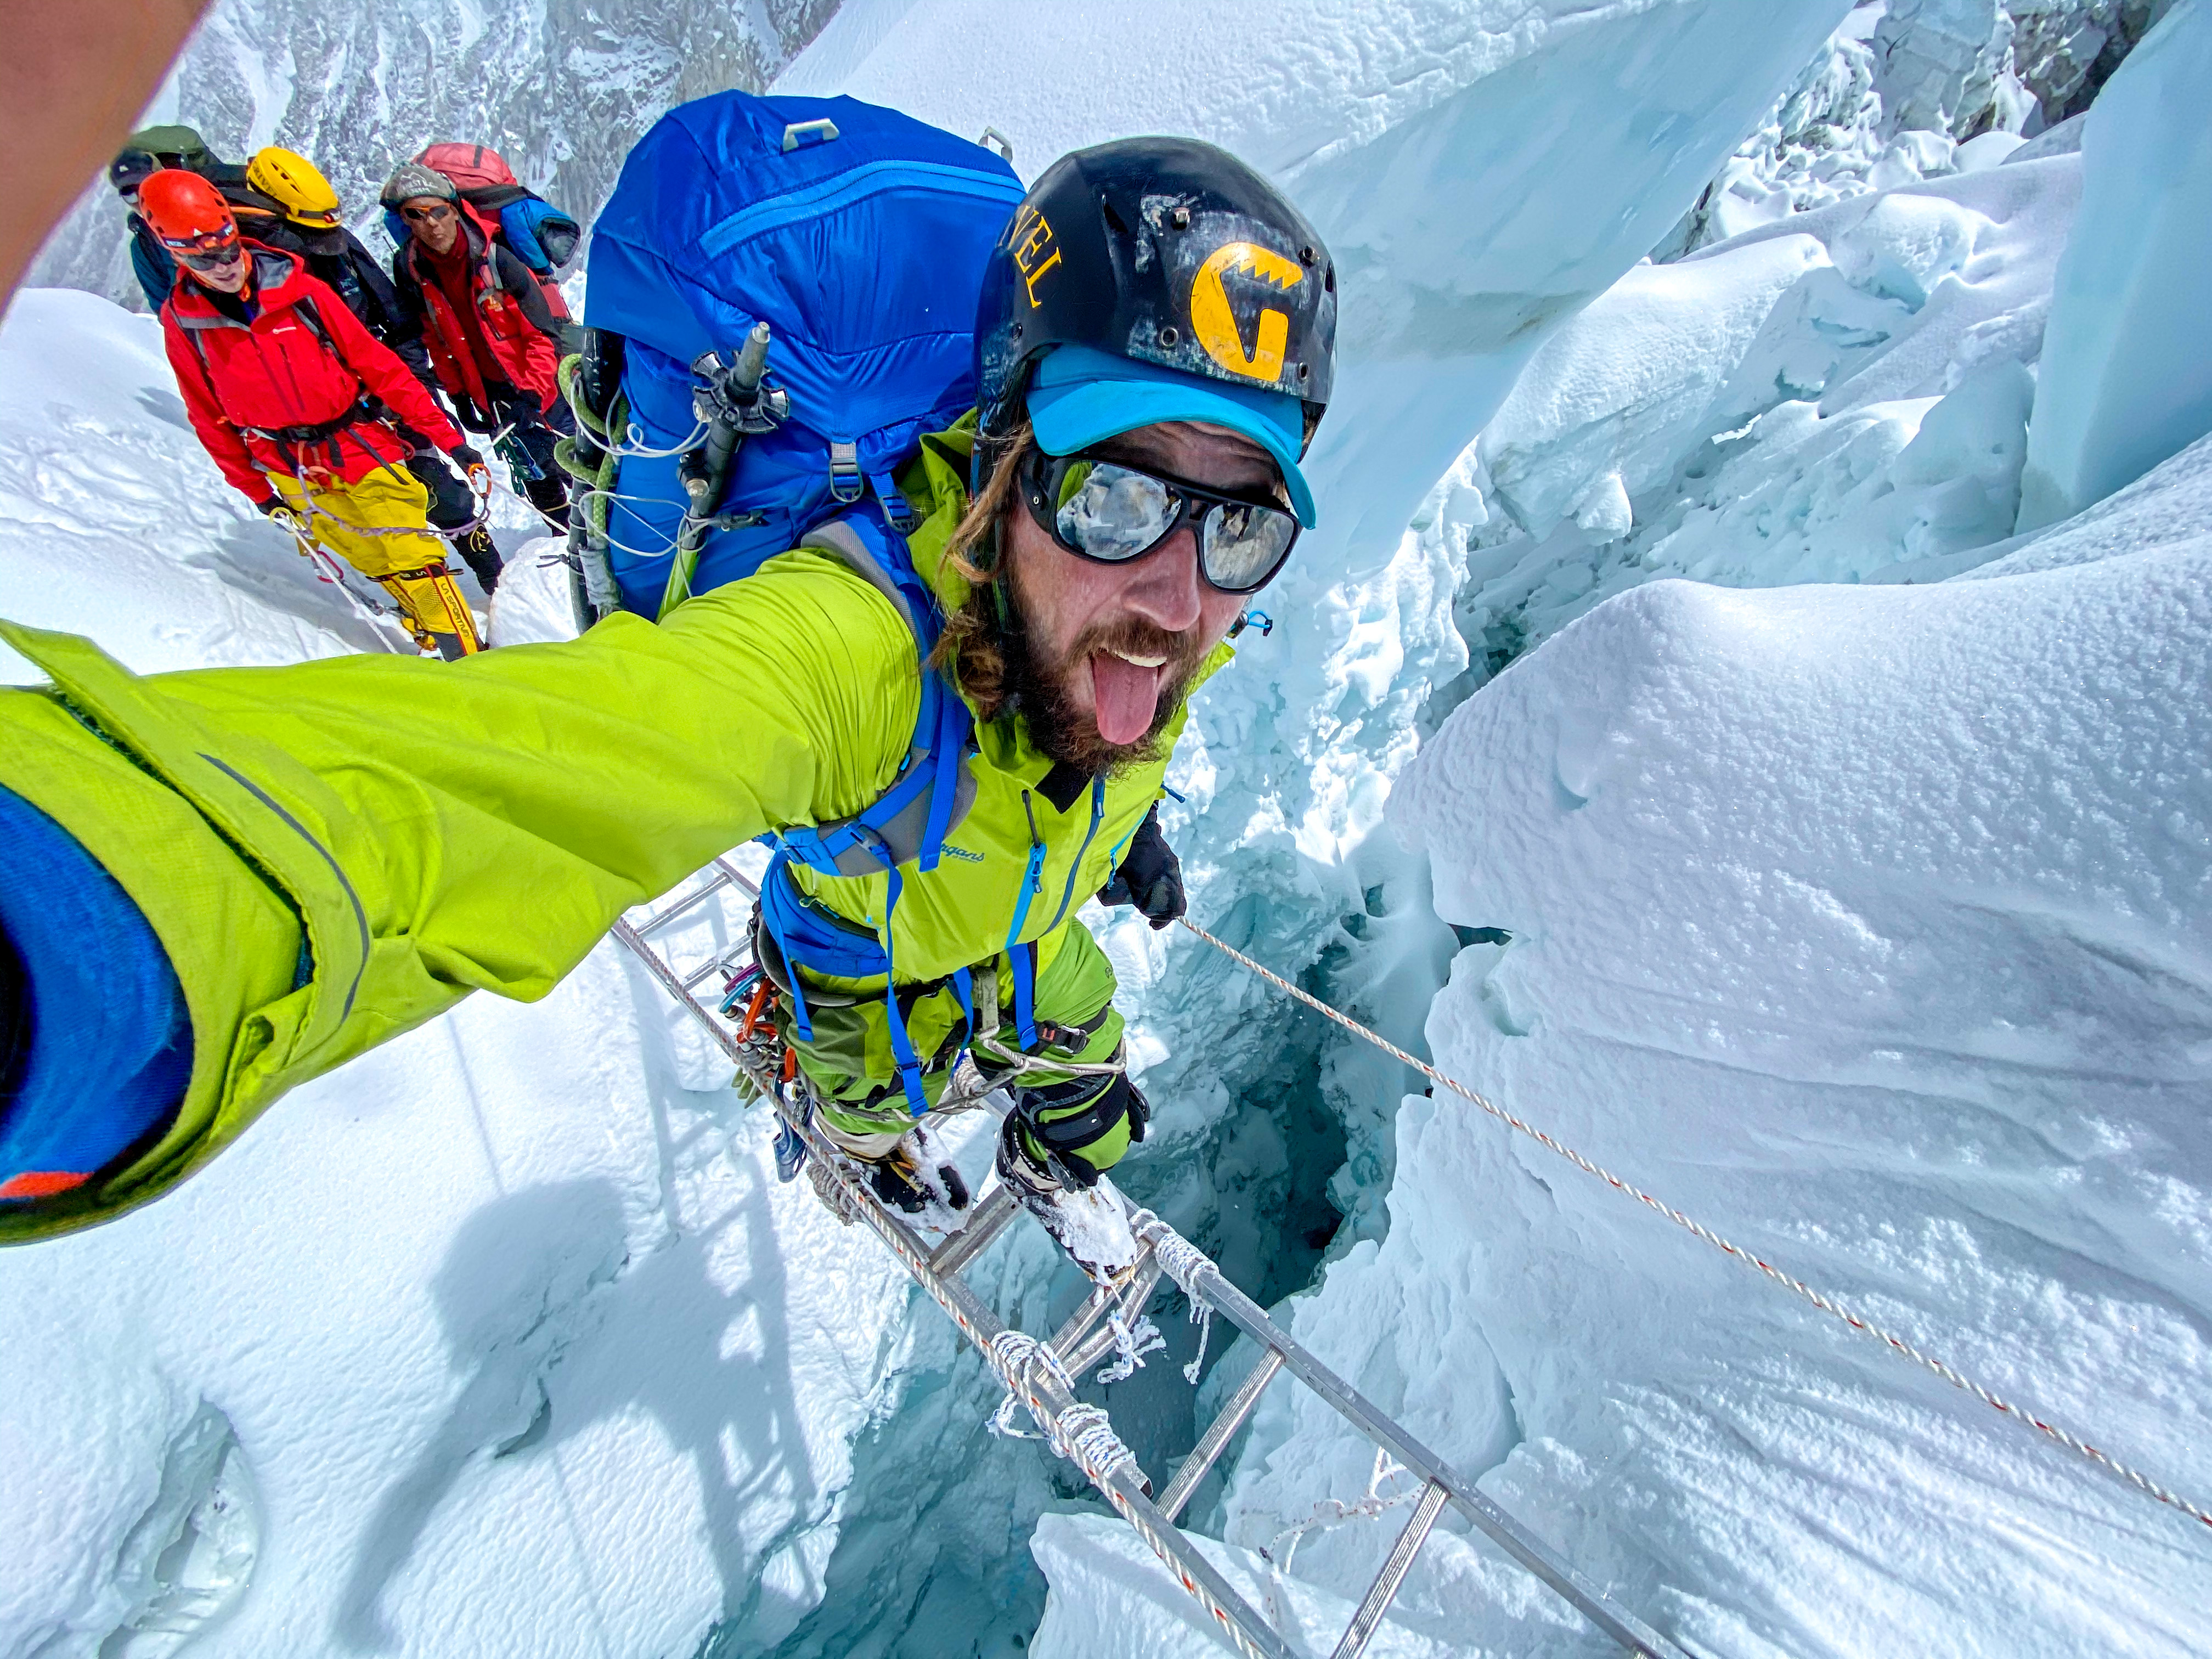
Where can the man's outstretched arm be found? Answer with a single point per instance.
(332, 852)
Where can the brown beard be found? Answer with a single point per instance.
(1058, 726)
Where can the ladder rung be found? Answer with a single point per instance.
(690, 900)
(989, 1221)
(1219, 1433)
(1101, 1341)
(721, 965)
(738, 878)
(1130, 1296)
(1502, 1528)
(1384, 1589)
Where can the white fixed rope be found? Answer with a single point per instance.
(1957, 1378)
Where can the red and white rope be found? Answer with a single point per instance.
(1826, 1304)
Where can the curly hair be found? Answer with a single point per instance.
(972, 649)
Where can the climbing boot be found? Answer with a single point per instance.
(1089, 1221)
(916, 1182)
(431, 604)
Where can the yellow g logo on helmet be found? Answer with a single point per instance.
(1214, 320)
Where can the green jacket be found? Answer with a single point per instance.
(335, 852)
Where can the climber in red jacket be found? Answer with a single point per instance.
(306, 412)
(493, 340)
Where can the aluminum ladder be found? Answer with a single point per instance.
(1088, 1334)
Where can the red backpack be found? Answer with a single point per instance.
(475, 169)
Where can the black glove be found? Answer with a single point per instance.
(466, 456)
(1150, 875)
(270, 506)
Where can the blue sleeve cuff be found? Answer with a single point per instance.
(96, 1051)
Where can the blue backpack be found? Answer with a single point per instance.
(860, 236)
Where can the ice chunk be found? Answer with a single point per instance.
(2127, 371)
(1870, 927)
(1988, 150)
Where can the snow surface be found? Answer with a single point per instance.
(2128, 373)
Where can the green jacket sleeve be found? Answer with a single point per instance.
(334, 852)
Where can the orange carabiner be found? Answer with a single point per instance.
(754, 1010)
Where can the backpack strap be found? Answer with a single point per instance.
(928, 800)
(907, 823)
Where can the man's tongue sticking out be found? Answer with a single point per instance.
(1127, 694)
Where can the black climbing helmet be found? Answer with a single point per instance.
(131, 169)
(1167, 251)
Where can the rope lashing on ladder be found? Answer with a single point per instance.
(1181, 1261)
(1083, 1434)
(1950, 1374)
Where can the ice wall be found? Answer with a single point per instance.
(2127, 374)
(1872, 927)
(1840, 397)
(1911, 89)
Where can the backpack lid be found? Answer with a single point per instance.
(470, 167)
(863, 251)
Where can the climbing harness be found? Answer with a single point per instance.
(1040, 1376)
(1950, 1374)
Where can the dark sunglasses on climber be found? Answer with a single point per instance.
(425, 216)
(211, 250)
(1110, 513)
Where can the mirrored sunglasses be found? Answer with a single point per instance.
(1110, 513)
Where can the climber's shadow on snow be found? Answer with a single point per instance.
(165, 406)
(561, 1328)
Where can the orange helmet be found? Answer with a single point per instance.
(186, 211)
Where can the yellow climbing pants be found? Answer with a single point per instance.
(379, 525)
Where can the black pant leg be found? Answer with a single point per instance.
(452, 504)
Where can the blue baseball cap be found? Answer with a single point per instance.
(1082, 396)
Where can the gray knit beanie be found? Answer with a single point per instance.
(410, 180)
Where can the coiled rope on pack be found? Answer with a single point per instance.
(1950, 1374)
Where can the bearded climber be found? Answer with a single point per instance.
(306, 860)
(300, 405)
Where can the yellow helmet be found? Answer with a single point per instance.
(296, 185)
